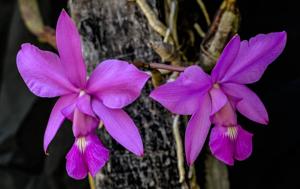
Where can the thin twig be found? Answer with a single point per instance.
(158, 66)
(172, 23)
(199, 30)
(167, 67)
(179, 149)
(204, 11)
(192, 177)
(154, 22)
(91, 182)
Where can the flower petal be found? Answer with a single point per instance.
(68, 111)
(69, 48)
(221, 146)
(95, 154)
(243, 146)
(56, 118)
(120, 126)
(42, 72)
(226, 59)
(250, 105)
(116, 83)
(83, 123)
(226, 116)
(76, 166)
(85, 106)
(229, 143)
(218, 99)
(254, 57)
(183, 95)
(197, 130)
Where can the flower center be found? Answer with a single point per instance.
(216, 86)
(231, 132)
(82, 92)
(81, 144)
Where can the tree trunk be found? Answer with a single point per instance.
(119, 29)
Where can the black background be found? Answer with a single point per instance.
(23, 117)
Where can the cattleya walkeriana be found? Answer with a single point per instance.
(111, 86)
(213, 99)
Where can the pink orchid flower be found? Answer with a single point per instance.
(214, 99)
(112, 85)
(228, 140)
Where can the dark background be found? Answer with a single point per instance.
(23, 117)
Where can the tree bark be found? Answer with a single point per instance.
(118, 29)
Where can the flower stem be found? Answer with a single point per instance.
(91, 182)
(159, 66)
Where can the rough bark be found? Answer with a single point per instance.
(118, 29)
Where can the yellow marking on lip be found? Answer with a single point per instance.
(81, 144)
(216, 86)
(232, 132)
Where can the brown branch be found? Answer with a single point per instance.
(141, 64)
(154, 22)
(204, 11)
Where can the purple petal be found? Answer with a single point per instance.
(250, 105)
(76, 166)
(69, 48)
(56, 118)
(83, 103)
(83, 123)
(254, 57)
(68, 111)
(218, 99)
(183, 95)
(120, 126)
(85, 106)
(229, 143)
(226, 59)
(226, 116)
(42, 72)
(222, 146)
(197, 130)
(96, 155)
(116, 83)
(243, 146)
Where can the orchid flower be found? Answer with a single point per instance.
(228, 140)
(214, 99)
(111, 86)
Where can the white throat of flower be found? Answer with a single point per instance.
(82, 92)
(216, 86)
(81, 144)
(232, 132)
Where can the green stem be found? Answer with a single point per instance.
(91, 182)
